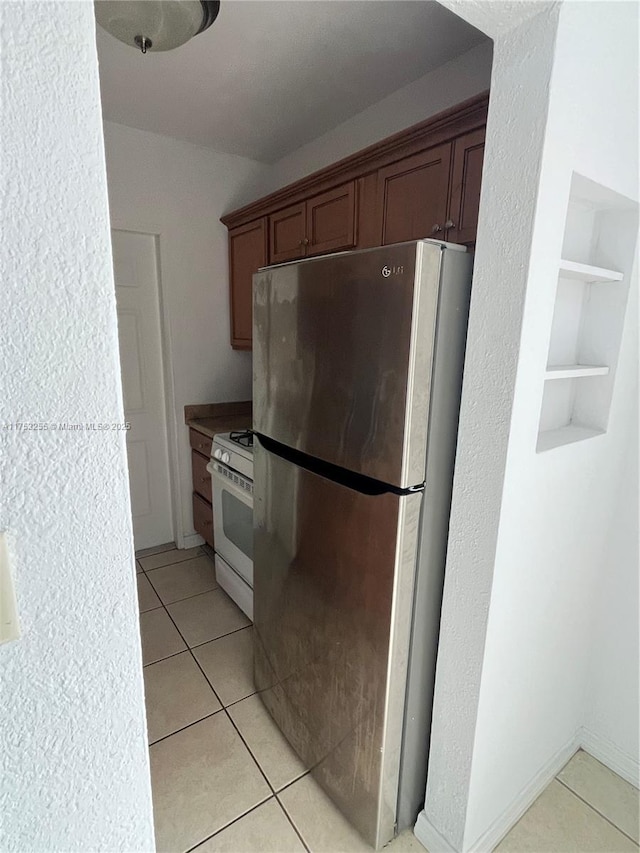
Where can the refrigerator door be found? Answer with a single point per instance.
(333, 586)
(342, 356)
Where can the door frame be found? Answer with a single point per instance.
(152, 229)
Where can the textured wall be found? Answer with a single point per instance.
(529, 569)
(558, 507)
(179, 191)
(72, 729)
(522, 66)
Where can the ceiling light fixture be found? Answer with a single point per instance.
(154, 25)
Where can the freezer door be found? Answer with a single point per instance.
(333, 585)
(342, 356)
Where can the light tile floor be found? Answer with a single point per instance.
(225, 780)
(586, 809)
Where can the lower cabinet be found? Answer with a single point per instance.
(203, 518)
(202, 490)
(201, 443)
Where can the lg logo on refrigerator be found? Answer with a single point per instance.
(387, 271)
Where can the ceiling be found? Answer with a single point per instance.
(271, 75)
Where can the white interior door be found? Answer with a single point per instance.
(137, 296)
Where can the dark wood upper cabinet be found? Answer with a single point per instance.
(368, 234)
(413, 196)
(247, 253)
(331, 220)
(287, 234)
(324, 223)
(466, 180)
(421, 182)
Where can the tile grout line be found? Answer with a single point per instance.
(238, 701)
(164, 606)
(229, 718)
(597, 811)
(164, 549)
(222, 708)
(184, 728)
(274, 794)
(293, 782)
(178, 600)
(199, 646)
(168, 657)
(174, 563)
(228, 634)
(169, 565)
(288, 816)
(231, 823)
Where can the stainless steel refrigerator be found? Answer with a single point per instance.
(357, 373)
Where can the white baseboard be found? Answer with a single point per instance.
(192, 541)
(494, 834)
(429, 837)
(610, 755)
(599, 747)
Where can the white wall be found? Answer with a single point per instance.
(457, 80)
(179, 191)
(75, 771)
(611, 721)
(526, 561)
(521, 71)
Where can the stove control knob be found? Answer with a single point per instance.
(217, 453)
(226, 458)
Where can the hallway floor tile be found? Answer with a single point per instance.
(225, 780)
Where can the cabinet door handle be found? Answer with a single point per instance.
(305, 242)
(436, 228)
(204, 479)
(449, 223)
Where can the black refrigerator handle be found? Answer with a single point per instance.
(350, 479)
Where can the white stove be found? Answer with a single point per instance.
(231, 469)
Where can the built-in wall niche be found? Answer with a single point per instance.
(591, 299)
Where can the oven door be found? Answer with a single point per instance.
(233, 518)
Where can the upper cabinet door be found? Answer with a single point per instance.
(331, 220)
(247, 253)
(287, 234)
(468, 153)
(412, 196)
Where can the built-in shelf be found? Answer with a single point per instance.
(590, 302)
(574, 371)
(550, 438)
(587, 273)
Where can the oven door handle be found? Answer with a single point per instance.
(242, 494)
